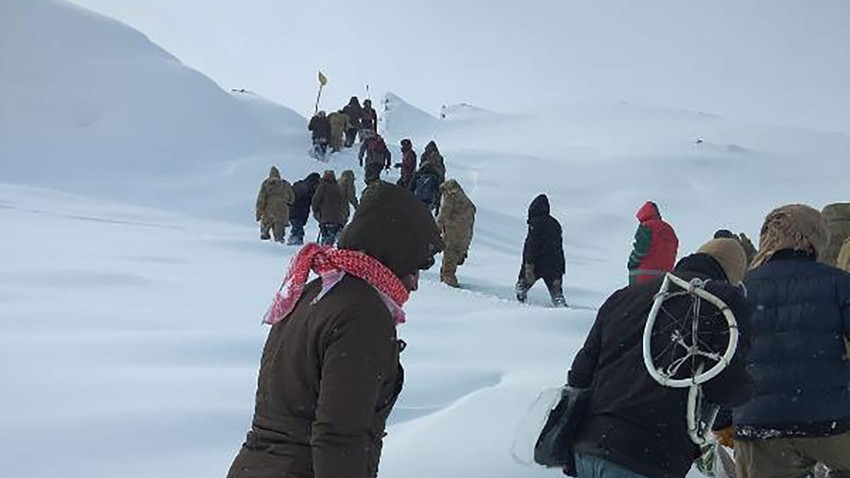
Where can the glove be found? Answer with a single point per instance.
(726, 436)
(528, 273)
(258, 217)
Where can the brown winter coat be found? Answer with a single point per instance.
(457, 217)
(349, 194)
(330, 372)
(844, 256)
(327, 202)
(274, 199)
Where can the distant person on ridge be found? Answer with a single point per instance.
(327, 208)
(321, 128)
(369, 119)
(542, 254)
(300, 212)
(273, 202)
(374, 150)
(655, 247)
(354, 111)
(339, 122)
(407, 164)
(349, 194)
(330, 373)
(456, 222)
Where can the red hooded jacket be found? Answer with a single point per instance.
(655, 246)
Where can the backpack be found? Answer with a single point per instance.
(376, 145)
(425, 188)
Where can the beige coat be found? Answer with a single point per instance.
(844, 256)
(339, 122)
(457, 217)
(838, 222)
(274, 199)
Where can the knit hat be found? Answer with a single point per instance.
(730, 255)
(794, 226)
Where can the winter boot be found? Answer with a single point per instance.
(522, 291)
(265, 236)
(295, 240)
(449, 278)
(556, 291)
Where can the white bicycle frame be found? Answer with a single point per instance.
(696, 288)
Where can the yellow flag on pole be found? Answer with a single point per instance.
(323, 79)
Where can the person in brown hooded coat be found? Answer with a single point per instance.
(327, 209)
(272, 208)
(349, 194)
(456, 221)
(330, 372)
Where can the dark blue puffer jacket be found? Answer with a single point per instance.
(800, 318)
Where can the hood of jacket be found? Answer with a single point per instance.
(395, 228)
(647, 212)
(539, 207)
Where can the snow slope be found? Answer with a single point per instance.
(130, 336)
(90, 105)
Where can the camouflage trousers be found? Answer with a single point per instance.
(275, 226)
(793, 457)
(452, 258)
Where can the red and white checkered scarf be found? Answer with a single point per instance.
(331, 264)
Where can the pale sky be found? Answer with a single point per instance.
(776, 61)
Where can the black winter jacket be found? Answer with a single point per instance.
(304, 191)
(321, 127)
(800, 317)
(543, 245)
(354, 112)
(632, 420)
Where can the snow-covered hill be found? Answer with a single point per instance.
(130, 336)
(90, 105)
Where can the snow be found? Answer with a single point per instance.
(133, 280)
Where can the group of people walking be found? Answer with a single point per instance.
(784, 394)
(280, 204)
(340, 128)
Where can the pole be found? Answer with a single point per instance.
(368, 96)
(317, 98)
